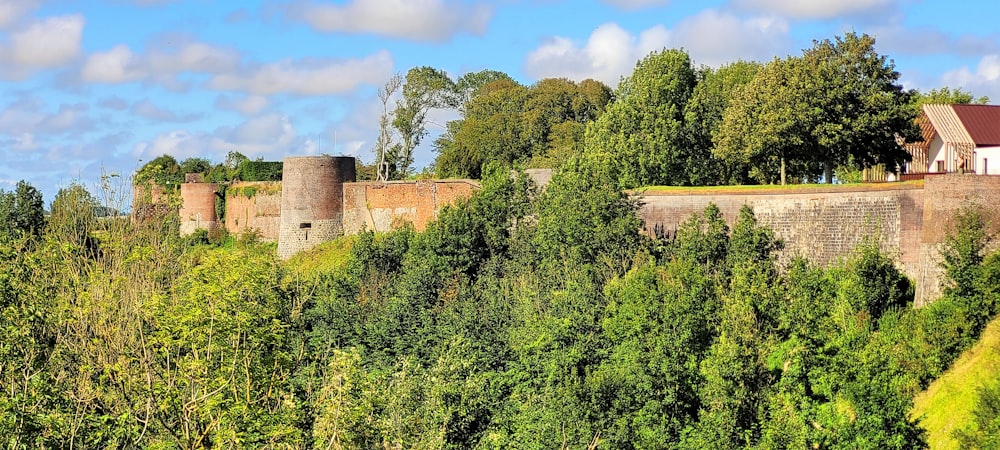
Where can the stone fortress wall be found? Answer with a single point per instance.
(319, 199)
(254, 207)
(825, 223)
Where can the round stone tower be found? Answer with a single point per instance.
(312, 201)
(198, 207)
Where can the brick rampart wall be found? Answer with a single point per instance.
(821, 224)
(382, 206)
(945, 196)
(254, 207)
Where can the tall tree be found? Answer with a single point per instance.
(947, 96)
(22, 211)
(425, 88)
(491, 129)
(385, 149)
(839, 104)
(702, 116)
(639, 138)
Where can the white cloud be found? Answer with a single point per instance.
(635, 4)
(145, 108)
(28, 115)
(162, 64)
(192, 57)
(307, 77)
(985, 80)
(609, 53)
(43, 44)
(714, 38)
(247, 105)
(421, 20)
(927, 40)
(710, 37)
(48, 42)
(271, 134)
(816, 9)
(12, 10)
(117, 65)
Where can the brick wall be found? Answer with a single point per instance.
(820, 224)
(945, 196)
(197, 207)
(254, 206)
(382, 206)
(312, 194)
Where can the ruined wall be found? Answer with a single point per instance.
(819, 223)
(312, 201)
(945, 195)
(382, 206)
(198, 207)
(254, 207)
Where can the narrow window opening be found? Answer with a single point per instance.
(305, 225)
(986, 170)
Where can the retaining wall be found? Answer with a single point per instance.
(254, 207)
(910, 220)
(945, 196)
(382, 206)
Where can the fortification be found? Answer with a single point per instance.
(312, 201)
(198, 207)
(254, 207)
(318, 200)
(382, 206)
(823, 223)
(944, 197)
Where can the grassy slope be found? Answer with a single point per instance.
(947, 403)
(326, 257)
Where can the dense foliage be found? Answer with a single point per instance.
(518, 318)
(167, 172)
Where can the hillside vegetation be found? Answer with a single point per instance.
(517, 319)
(948, 404)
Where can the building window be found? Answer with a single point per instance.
(986, 170)
(940, 166)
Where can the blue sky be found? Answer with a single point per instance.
(92, 85)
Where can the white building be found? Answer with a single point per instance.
(957, 138)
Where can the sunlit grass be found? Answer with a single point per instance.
(762, 188)
(324, 258)
(947, 403)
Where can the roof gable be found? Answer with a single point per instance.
(982, 122)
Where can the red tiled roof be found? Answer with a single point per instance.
(982, 122)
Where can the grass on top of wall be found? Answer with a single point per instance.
(948, 402)
(776, 188)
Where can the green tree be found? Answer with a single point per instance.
(72, 217)
(22, 212)
(839, 104)
(639, 139)
(491, 129)
(946, 96)
(702, 115)
(659, 323)
(424, 89)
